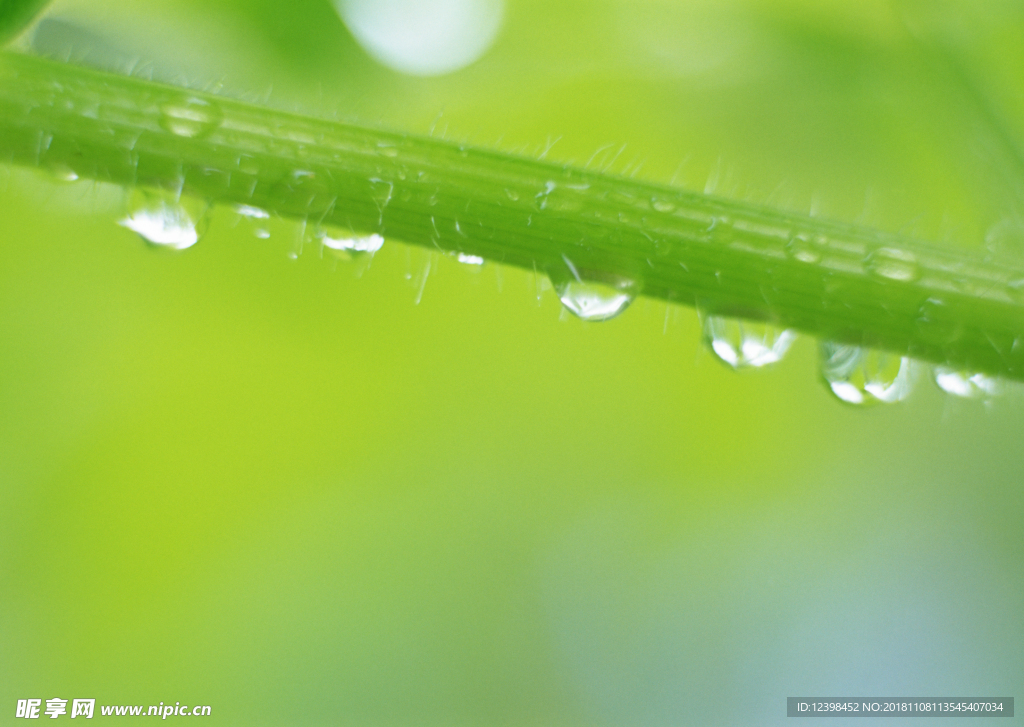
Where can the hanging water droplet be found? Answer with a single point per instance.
(190, 117)
(348, 245)
(863, 376)
(166, 220)
(594, 301)
(257, 219)
(592, 296)
(965, 384)
(746, 344)
(893, 264)
(470, 259)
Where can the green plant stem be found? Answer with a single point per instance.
(834, 281)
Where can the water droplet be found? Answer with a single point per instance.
(802, 249)
(256, 218)
(746, 344)
(470, 259)
(965, 384)
(662, 205)
(349, 246)
(592, 296)
(190, 117)
(894, 264)
(594, 301)
(863, 376)
(166, 220)
(512, 195)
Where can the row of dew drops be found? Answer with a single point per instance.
(856, 375)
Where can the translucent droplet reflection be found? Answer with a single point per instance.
(593, 301)
(965, 384)
(423, 38)
(470, 259)
(165, 220)
(190, 117)
(863, 376)
(662, 205)
(893, 264)
(592, 296)
(351, 246)
(746, 344)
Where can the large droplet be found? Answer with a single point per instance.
(863, 376)
(965, 384)
(592, 296)
(350, 246)
(746, 344)
(166, 220)
(894, 264)
(660, 204)
(803, 248)
(423, 38)
(190, 117)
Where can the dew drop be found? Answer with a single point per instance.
(893, 264)
(353, 245)
(965, 384)
(662, 205)
(746, 344)
(592, 296)
(801, 248)
(166, 220)
(190, 117)
(512, 195)
(594, 301)
(863, 376)
(470, 259)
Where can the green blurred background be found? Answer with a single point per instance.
(290, 492)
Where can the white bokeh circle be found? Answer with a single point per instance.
(423, 37)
